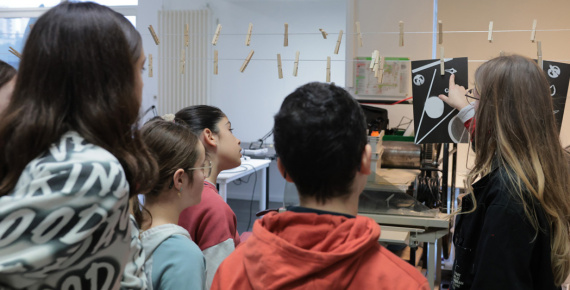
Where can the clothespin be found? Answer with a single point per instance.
(154, 36)
(401, 33)
(373, 60)
(381, 69)
(359, 33)
(539, 53)
(246, 62)
(182, 61)
(338, 42)
(248, 37)
(328, 69)
(440, 29)
(187, 35)
(286, 39)
(279, 67)
(323, 33)
(533, 32)
(14, 52)
(150, 70)
(216, 34)
(376, 63)
(490, 35)
(216, 62)
(296, 65)
(442, 62)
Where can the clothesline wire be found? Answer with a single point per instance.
(348, 33)
(292, 60)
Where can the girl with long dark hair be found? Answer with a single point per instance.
(71, 155)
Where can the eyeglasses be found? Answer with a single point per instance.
(206, 169)
(470, 96)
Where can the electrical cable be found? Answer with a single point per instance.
(252, 193)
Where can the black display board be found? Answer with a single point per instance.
(434, 120)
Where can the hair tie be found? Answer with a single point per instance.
(168, 118)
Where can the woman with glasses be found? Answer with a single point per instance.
(212, 223)
(173, 260)
(513, 229)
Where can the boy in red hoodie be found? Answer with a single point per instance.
(320, 138)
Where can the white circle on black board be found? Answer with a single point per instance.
(434, 107)
(457, 131)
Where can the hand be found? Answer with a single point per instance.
(456, 96)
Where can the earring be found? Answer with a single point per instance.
(180, 193)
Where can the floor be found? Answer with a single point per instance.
(245, 211)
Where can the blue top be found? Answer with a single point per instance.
(174, 261)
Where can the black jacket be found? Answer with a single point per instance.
(496, 247)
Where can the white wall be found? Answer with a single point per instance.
(250, 99)
(147, 15)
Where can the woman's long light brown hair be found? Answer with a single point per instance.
(516, 130)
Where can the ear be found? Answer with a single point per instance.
(366, 160)
(178, 178)
(281, 168)
(208, 138)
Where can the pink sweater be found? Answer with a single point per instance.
(212, 226)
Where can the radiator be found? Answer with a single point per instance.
(178, 89)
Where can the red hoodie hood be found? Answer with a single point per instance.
(286, 249)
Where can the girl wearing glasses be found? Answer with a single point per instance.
(514, 226)
(212, 223)
(173, 261)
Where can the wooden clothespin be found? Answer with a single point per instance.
(381, 69)
(328, 69)
(286, 39)
(442, 62)
(401, 33)
(533, 32)
(248, 36)
(338, 42)
(440, 29)
(490, 35)
(246, 62)
(296, 65)
(216, 62)
(154, 36)
(216, 34)
(187, 35)
(323, 33)
(359, 33)
(539, 53)
(279, 67)
(150, 69)
(14, 52)
(182, 61)
(373, 59)
(376, 63)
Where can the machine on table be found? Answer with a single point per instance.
(407, 194)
